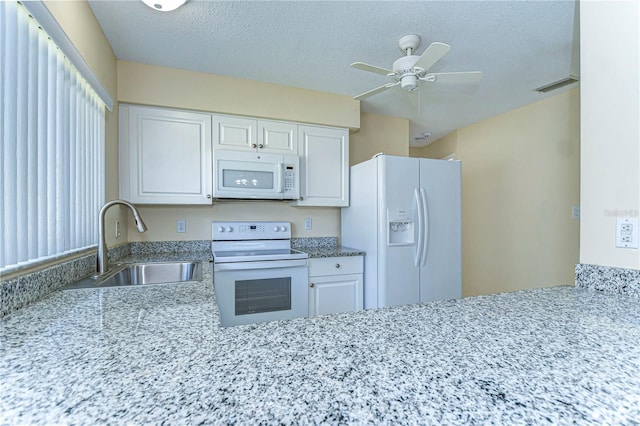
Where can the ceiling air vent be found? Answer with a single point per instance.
(557, 84)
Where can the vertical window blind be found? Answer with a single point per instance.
(52, 147)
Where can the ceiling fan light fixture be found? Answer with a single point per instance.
(164, 5)
(409, 82)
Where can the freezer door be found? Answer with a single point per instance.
(398, 273)
(441, 263)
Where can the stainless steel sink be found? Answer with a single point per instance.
(141, 274)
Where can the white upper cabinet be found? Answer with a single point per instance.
(277, 136)
(235, 133)
(165, 156)
(324, 166)
(247, 134)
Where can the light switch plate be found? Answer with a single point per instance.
(307, 223)
(627, 232)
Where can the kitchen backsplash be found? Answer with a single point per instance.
(608, 279)
(314, 243)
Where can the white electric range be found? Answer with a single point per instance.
(257, 276)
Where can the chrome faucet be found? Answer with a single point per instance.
(103, 260)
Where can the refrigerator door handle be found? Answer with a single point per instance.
(420, 244)
(425, 226)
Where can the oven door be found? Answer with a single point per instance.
(252, 292)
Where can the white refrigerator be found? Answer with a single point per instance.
(405, 213)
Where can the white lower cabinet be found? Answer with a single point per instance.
(335, 285)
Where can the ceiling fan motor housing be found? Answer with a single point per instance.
(403, 68)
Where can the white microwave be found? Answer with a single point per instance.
(253, 175)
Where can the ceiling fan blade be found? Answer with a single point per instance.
(370, 68)
(433, 54)
(455, 77)
(374, 91)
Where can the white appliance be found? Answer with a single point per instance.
(405, 213)
(253, 175)
(256, 275)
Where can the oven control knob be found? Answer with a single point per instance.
(229, 229)
(221, 229)
(276, 228)
(283, 228)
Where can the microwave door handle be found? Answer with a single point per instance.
(280, 183)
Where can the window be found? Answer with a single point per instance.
(51, 147)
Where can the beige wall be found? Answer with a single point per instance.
(610, 157)
(520, 179)
(159, 86)
(379, 133)
(161, 220)
(78, 22)
(442, 148)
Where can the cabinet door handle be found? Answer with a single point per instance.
(337, 265)
(209, 196)
(260, 146)
(253, 145)
(312, 285)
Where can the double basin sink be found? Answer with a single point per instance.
(136, 274)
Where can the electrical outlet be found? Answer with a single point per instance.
(575, 212)
(117, 229)
(181, 226)
(627, 232)
(307, 223)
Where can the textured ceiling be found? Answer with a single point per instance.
(519, 45)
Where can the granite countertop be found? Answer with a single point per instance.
(156, 354)
(335, 251)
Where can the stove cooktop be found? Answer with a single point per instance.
(257, 255)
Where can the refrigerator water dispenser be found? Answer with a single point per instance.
(400, 228)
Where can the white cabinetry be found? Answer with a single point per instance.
(335, 285)
(247, 134)
(165, 156)
(324, 166)
(277, 136)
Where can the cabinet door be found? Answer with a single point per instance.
(165, 156)
(324, 166)
(334, 294)
(235, 133)
(277, 137)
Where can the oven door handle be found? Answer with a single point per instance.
(237, 266)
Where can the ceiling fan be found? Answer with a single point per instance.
(410, 70)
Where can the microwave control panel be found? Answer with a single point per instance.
(289, 177)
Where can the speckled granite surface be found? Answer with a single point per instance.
(338, 251)
(150, 247)
(157, 355)
(19, 292)
(323, 247)
(608, 279)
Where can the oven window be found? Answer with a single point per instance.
(263, 295)
(247, 179)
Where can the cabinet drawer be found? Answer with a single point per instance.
(335, 266)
